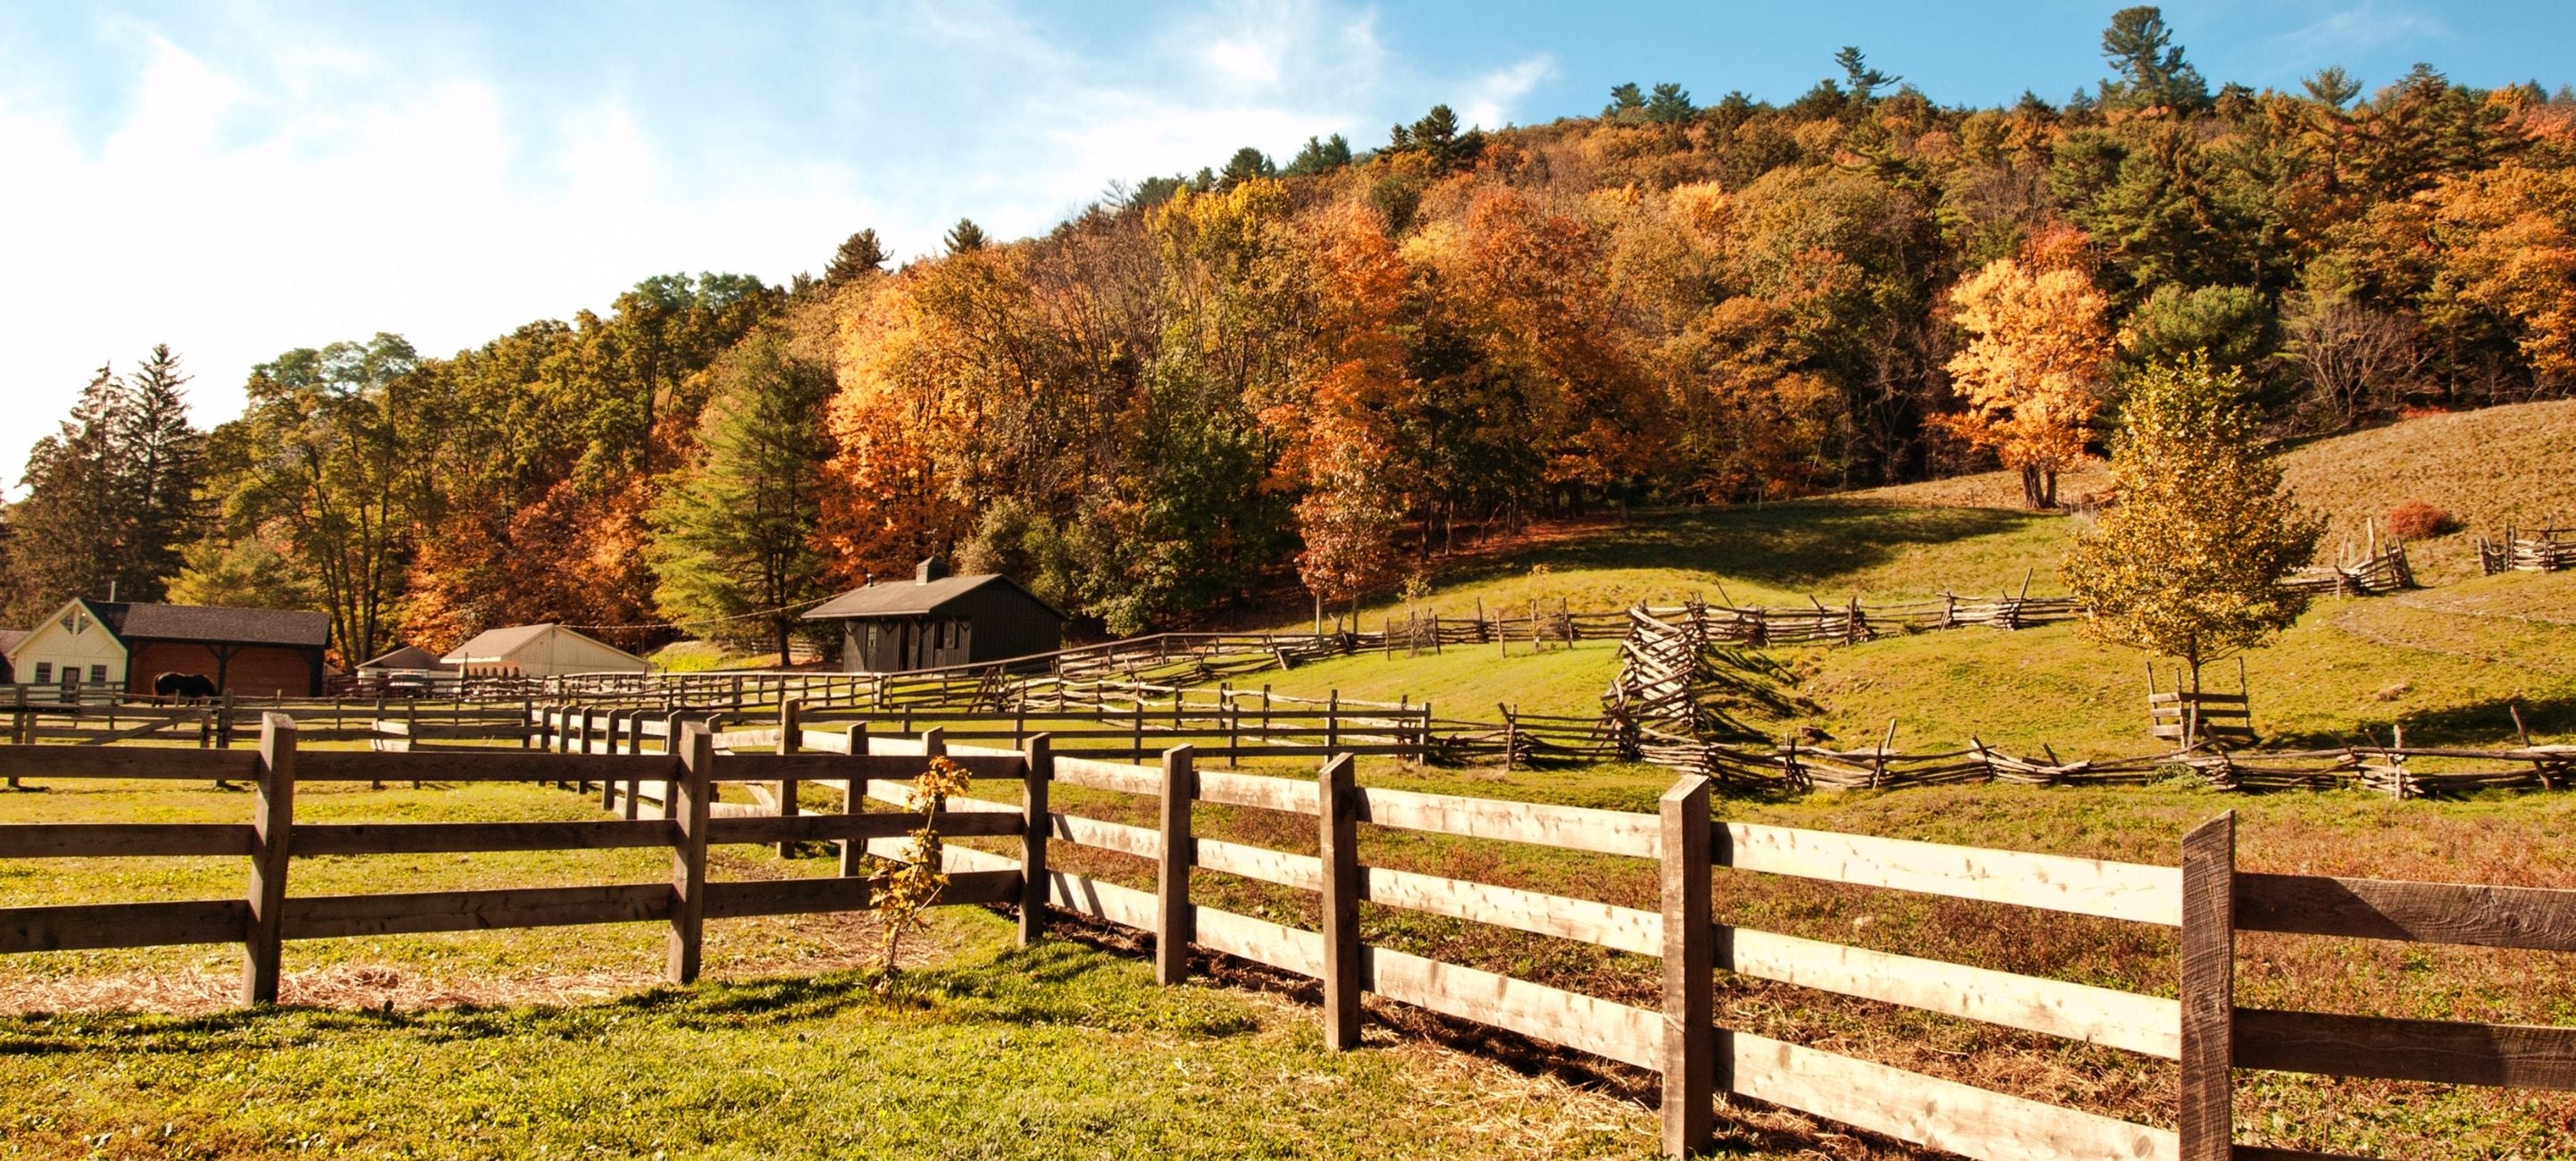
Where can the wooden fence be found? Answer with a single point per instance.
(2206, 898)
(2528, 550)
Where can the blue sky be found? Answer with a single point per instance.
(240, 177)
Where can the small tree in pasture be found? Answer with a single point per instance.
(2187, 562)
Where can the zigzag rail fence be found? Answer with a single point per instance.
(2528, 550)
(2206, 899)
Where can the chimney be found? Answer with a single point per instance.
(870, 582)
(932, 568)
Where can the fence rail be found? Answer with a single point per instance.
(2532, 550)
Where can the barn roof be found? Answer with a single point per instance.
(9, 639)
(406, 657)
(141, 622)
(494, 644)
(915, 598)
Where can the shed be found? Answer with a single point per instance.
(939, 620)
(548, 650)
(406, 659)
(118, 643)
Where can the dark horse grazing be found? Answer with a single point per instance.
(195, 686)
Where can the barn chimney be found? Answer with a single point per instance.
(932, 568)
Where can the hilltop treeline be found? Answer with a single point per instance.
(1208, 384)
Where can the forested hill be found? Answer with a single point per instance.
(1265, 375)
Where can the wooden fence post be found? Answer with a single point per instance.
(1333, 720)
(790, 734)
(854, 800)
(1174, 928)
(692, 785)
(1690, 987)
(1039, 754)
(1338, 807)
(272, 826)
(674, 732)
(2206, 1119)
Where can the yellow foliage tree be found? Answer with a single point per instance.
(2034, 370)
(2187, 562)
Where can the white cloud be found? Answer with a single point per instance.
(2357, 30)
(270, 185)
(1491, 99)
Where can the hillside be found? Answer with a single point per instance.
(2446, 660)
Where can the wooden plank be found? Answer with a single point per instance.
(816, 896)
(1621, 928)
(1121, 777)
(1099, 899)
(1108, 836)
(1344, 962)
(487, 765)
(91, 926)
(2208, 1054)
(770, 828)
(413, 838)
(2130, 891)
(272, 832)
(2505, 1055)
(1291, 795)
(1601, 1027)
(1173, 928)
(2533, 918)
(1689, 1029)
(1578, 828)
(1939, 1114)
(1290, 949)
(128, 762)
(58, 840)
(337, 916)
(2146, 1024)
(1304, 872)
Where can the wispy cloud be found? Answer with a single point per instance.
(2357, 30)
(253, 183)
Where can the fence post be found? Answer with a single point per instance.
(1422, 740)
(1337, 806)
(272, 825)
(2206, 1119)
(854, 800)
(1174, 928)
(1690, 987)
(1333, 720)
(790, 735)
(693, 785)
(1039, 754)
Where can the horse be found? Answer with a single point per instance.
(192, 686)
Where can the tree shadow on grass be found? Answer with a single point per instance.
(1803, 544)
(1057, 982)
(2483, 724)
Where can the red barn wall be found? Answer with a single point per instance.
(254, 669)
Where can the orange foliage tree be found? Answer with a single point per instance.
(2033, 370)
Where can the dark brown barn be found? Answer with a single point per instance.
(252, 651)
(937, 620)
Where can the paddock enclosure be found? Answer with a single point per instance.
(2200, 897)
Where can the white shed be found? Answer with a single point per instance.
(540, 651)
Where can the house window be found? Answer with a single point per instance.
(97, 674)
(44, 673)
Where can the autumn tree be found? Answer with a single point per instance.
(332, 456)
(2187, 561)
(2033, 368)
(733, 530)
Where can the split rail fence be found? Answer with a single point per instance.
(2207, 899)
(2528, 550)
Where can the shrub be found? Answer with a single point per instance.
(2417, 520)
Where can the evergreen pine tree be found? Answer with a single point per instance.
(161, 460)
(734, 531)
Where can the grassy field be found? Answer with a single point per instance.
(1058, 1051)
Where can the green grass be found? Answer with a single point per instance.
(1059, 1051)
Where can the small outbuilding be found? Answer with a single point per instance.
(939, 620)
(547, 650)
(9, 639)
(126, 645)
